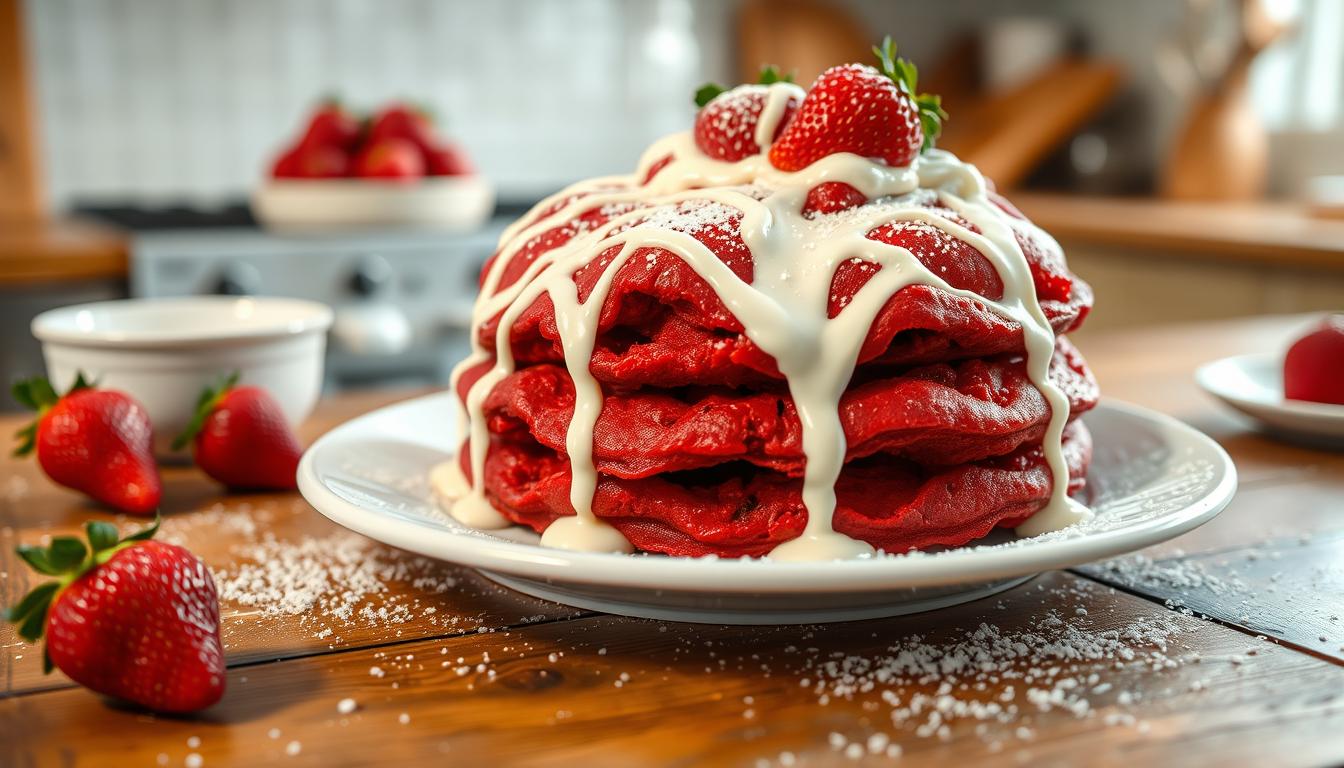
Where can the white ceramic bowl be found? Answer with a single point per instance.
(455, 203)
(164, 352)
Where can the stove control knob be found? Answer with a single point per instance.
(372, 273)
(238, 280)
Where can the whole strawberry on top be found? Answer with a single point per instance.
(868, 112)
(134, 619)
(241, 438)
(96, 441)
(727, 126)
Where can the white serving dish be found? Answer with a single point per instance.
(1253, 384)
(454, 203)
(164, 352)
(1152, 478)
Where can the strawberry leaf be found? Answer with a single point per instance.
(39, 559)
(707, 92)
(35, 622)
(27, 440)
(101, 535)
(906, 76)
(146, 533)
(65, 553)
(40, 595)
(770, 75)
(36, 393)
(205, 405)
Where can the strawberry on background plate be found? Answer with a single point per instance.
(96, 441)
(134, 619)
(1313, 369)
(725, 127)
(390, 159)
(240, 438)
(858, 109)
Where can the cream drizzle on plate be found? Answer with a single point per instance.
(783, 311)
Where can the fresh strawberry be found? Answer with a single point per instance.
(1313, 369)
(241, 438)
(725, 128)
(448, 159)
(832, 197)
(400, 121)
(332, 126)
(287, 166)
(390, 159)
(96, 441)
(859, 109)
(134, 619)
(321, 161)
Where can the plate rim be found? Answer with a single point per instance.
(712, 575)
(1206, 376)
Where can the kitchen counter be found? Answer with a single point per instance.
(60, 250)
(442, 665)
(1266, 233)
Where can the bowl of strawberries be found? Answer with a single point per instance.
(387, 169)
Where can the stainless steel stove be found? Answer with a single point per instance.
(402, 298)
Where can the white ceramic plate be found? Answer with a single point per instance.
(1152, 478)
(1253, 384)
(454, 203)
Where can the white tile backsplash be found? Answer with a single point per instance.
(166, 100)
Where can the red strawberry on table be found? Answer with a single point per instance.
(134, 619)
(390, 159)
(1313, 369)
(241, 438)
(858, 109)
(96, 441)
(725, 128)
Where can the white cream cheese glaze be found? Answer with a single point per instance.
(783, 311)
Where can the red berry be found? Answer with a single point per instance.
(137, 620)
(241, 438)
(1313, 369)
(399, 121)
(331, 126)
(98, 442)
(390, 159)
(448, 160)
(726, 127)
(832, 197)
(287, 166)
(322, 161)
(858, 109)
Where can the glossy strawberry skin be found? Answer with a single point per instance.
(448, 160)
(725, 128)
(331, 126)
(851, 108)
(245, 442)
(390, 159)
(402, 122)
(143, 627)
(100, 442)
(1313, 369)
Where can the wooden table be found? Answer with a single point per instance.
(441, 666)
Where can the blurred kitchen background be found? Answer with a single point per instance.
(1188, 155)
